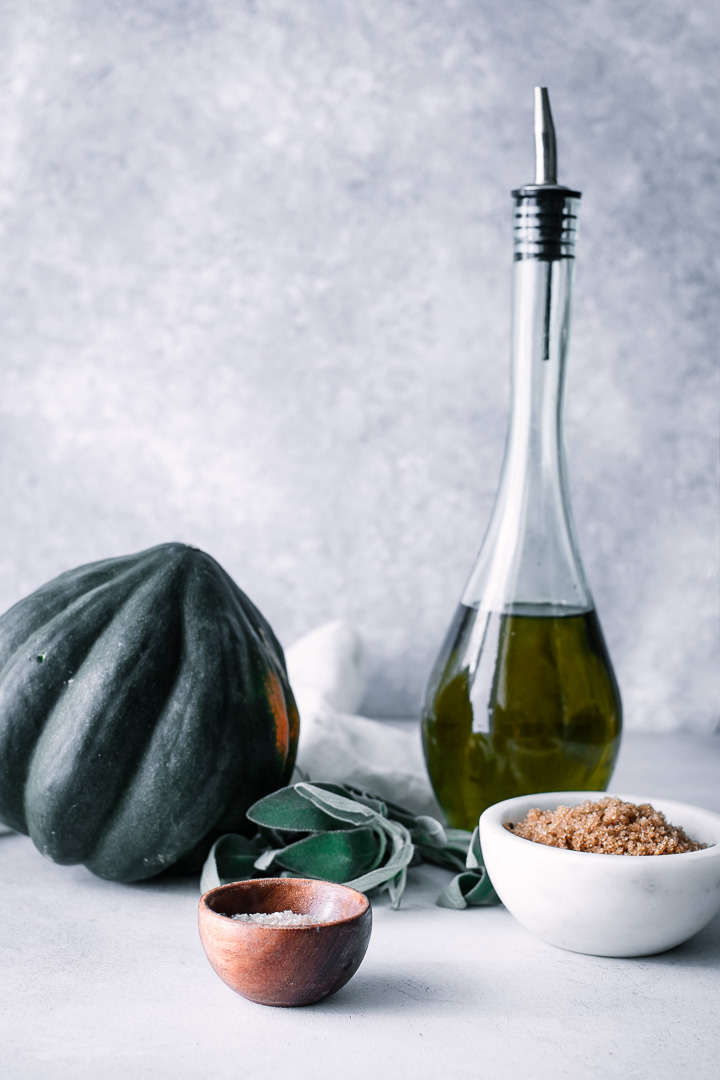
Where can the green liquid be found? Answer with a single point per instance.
(519, 702)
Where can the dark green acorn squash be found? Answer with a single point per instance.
(144, 706)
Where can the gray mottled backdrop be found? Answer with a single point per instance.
(255, 264)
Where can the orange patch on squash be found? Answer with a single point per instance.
(276, 701)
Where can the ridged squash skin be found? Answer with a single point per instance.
(144, 705)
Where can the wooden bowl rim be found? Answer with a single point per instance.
(203, 904)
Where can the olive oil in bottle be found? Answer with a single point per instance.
(519, 702)
(522, 697)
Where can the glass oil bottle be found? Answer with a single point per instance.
(522, 697)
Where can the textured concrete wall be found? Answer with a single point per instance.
(255, 267)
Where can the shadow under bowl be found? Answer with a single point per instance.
(604, 905)
(285, 965)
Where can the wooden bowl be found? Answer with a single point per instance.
(285, 965)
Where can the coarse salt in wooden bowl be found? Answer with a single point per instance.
(285, 964)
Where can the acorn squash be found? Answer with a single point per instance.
(144, 706)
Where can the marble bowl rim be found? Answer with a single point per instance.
(495, 817)
(242, 927)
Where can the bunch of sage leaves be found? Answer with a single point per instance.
(348, 835)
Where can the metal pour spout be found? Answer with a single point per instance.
(545, 212)
(545, 145)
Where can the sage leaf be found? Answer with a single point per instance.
(429, 831)
(444, 857)
(393, 873)
(458, 840)
(451, 855)
(231, 858)
(472, 887)
(396, 887)
(287, 810)
(474, 857)
(466, 889)
(339, 806)
(386, 807)
(361, 796)
(334, 856)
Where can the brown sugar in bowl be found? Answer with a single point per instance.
(598, 903)
(285, 965)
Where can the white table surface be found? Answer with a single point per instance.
(100, 979)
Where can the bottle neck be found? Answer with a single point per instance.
(540, 331)
(530, 558)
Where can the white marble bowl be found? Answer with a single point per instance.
(606, 905)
